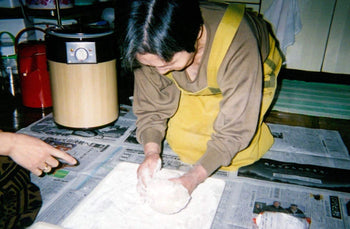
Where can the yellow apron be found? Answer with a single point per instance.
(191, 127)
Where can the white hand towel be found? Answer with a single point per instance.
(284, 15)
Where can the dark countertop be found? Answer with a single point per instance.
(14, 116)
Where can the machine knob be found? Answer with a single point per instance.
(81, 54)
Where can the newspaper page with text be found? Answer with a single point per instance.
(243, 198)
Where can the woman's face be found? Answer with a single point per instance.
(180, 61)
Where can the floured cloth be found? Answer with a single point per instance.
(115, 203)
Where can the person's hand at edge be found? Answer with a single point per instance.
(32, 153)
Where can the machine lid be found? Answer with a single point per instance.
(79, 31)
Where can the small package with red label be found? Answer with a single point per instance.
(278, 220)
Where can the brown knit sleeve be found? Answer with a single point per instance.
(155, 101)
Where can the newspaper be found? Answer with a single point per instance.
(99, 151)
(308, 146)
(244, 199)
(113, 134)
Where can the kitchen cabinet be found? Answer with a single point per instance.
(83, 13)
(13, 20)
(337, 55)
(323, 44)
(253, 4)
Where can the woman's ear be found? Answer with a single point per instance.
(200, 33)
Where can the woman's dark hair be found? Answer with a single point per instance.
(160, 27)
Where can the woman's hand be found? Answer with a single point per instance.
(150, 165)
(192, 178)
(148, 168)
(32, 153)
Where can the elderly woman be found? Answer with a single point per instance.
(205, 75)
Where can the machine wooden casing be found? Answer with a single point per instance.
(83, 76)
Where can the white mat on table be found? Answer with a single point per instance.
(115, 203)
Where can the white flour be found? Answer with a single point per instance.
(115, 203)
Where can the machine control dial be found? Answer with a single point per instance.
(81, 54)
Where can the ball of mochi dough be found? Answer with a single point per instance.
(167, 197)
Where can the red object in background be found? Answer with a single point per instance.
(33, 72)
